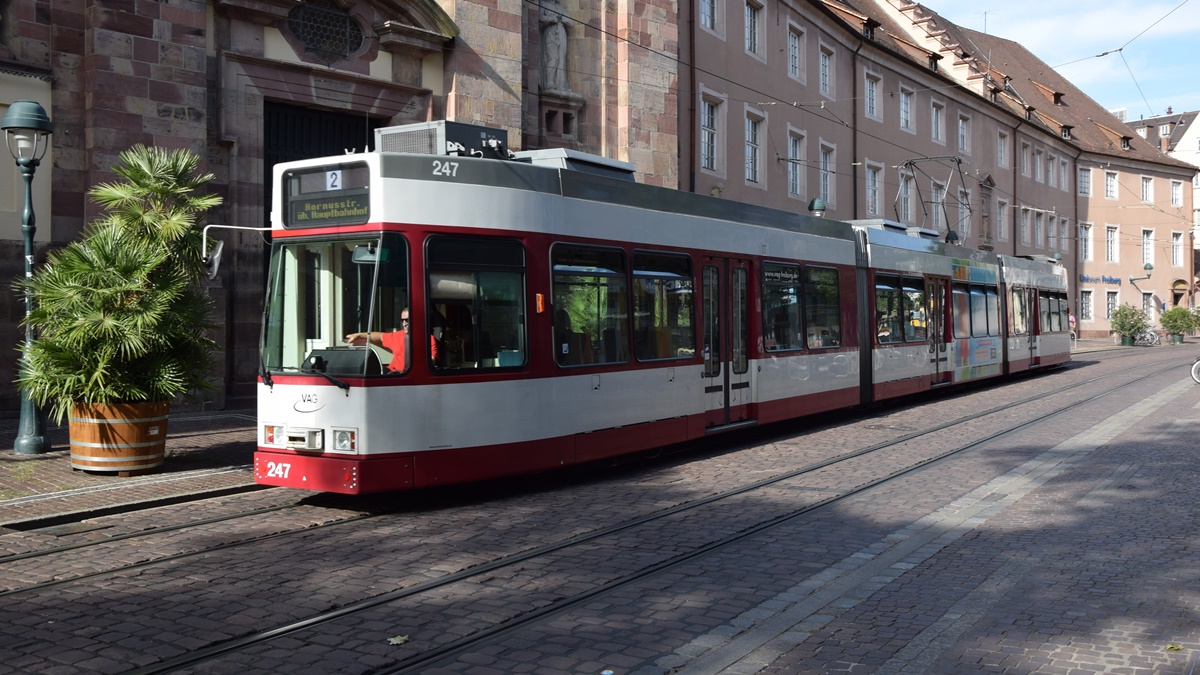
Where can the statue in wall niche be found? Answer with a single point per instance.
(555, 25)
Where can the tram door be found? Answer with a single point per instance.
(725, 298)
(941, 367)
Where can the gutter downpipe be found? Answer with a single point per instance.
(691, 106)
(1016, 173)
(854, 128)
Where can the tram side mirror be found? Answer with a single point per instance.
(212, 262)
(368, 255)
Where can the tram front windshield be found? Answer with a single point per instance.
(322, 291)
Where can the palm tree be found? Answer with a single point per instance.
(120, 313)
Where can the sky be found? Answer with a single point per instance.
(1145, 72)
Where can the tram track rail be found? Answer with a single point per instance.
(449, 650)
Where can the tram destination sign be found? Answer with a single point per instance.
(341, 207)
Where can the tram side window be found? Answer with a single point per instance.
(915, 329)
(476, 312)
(781, 307)
(591, 319)
(961, 310)
(1064, 314)
(979, 315)
(663, 325)
(1020, 313)
(992, 294)
(1048, 305)
(889, 309)
(822, 309)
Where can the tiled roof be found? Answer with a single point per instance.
(1180, 123)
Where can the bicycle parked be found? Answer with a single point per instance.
(1196, 370)
(1147, 338)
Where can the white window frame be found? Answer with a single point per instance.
(1112, 243)
(1147, 246)
(797, 64)
(1085, 242)
(797, 163)
(1039, 173)
(1026, 159)
(872, 85)
(1051, 171)
(1176, 249)
(964, 134)
(718, 133)
(1039, 233)
(1176, 193)
(907, 121)
(1086, 305)
(1111, 185)
(964, 214)
(1063, 176)
(937, 122)
(1147, 190)
(754, 21)
(1051, 233)
(826, 71)
(717, 26)
(1112, 300)
(1002, 215)
(937, 204)
(1025, 226)
(1064, 233)
(1002, 150)
(873, 180)
(827, 173)
(904, 196)
(1084, 181)
(755, 127)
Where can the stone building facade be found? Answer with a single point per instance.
(248, 83)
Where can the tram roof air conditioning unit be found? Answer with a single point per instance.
(443, 138)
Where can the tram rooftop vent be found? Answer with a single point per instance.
(443, 138)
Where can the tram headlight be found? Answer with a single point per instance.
(345, 440)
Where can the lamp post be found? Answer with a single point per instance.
(1146, 268)
(26, 129)
(817, 207)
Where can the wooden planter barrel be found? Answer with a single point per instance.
(122, 438)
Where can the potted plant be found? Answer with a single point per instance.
(121, 315)
(1177, 321)
(1128, 321)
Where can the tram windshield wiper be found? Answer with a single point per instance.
(340, 384)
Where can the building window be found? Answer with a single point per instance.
(1176, 193)
(1110, 304)
(906, 108)
(1177, 249)
(753, 13)
(709, 120)
(874, 173)
(1002, 220)
(1085, 182)
(1147, 190)
(1051, 234)
(1025, 226)
(964, 134)
(937, 201)
(1142, 132)
(1164, 130)
(796, 164)
(1063, 228)
(1038, 241)
(1085, 242)
(708, 14)
(825, 66)
(1062, 175)
(827, 173)
(795, 53)
(325, 29)
(871, 96)
(753, 124)
(1025, 150)
(1111, 249)
(1085, 305)
(905, 198)
(1002, 149)
(1110, 184)
(1038, 174)
(937, 122)
(1148, 304)
(1147, 247)
(1051, 167)
(964, 214)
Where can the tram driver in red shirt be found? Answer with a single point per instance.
(395, 342)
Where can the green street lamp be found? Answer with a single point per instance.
(26, 130)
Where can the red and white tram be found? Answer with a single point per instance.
(563, 315)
